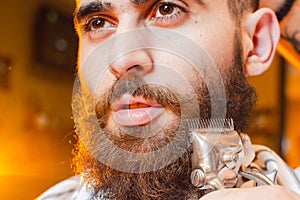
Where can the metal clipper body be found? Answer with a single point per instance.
(220, 155)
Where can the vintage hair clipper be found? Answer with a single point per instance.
(220, 155)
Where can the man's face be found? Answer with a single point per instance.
(142, 95)
(207, 24)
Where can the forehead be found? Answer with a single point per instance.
(86, 2)
(81, 3)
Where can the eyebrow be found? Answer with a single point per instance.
(139, 2)
(90, 8)
(99, 6)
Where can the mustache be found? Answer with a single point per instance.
(136, 86)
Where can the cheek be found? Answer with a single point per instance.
(177, 73)
(85, 49)
(168, 64)
(215, 36)
(220, 48)
(92, 69)
(97, 83)
(105, 82)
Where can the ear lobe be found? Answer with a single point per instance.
(263, 34)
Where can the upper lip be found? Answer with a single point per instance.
(126, 100)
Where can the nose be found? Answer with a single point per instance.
(138, 62)
(129, 55)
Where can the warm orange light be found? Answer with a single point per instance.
(289, 53)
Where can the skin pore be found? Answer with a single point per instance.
(229, 42)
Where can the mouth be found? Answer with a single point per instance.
(135, 111)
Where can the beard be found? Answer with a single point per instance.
(173, 180)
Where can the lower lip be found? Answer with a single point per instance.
(137, 117)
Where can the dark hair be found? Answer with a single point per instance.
(237, 7)
(284, 9)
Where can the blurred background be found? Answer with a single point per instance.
(37, 69)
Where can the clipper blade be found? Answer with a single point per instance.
(208, 125)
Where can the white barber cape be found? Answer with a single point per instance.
(70, 189)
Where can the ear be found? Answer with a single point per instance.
(263, 33)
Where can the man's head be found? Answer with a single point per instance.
(141, 97)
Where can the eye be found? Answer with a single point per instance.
(166, 9)
(167, 13)
(98, 22)
(97, 27)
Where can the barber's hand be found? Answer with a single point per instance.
(256, 193)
